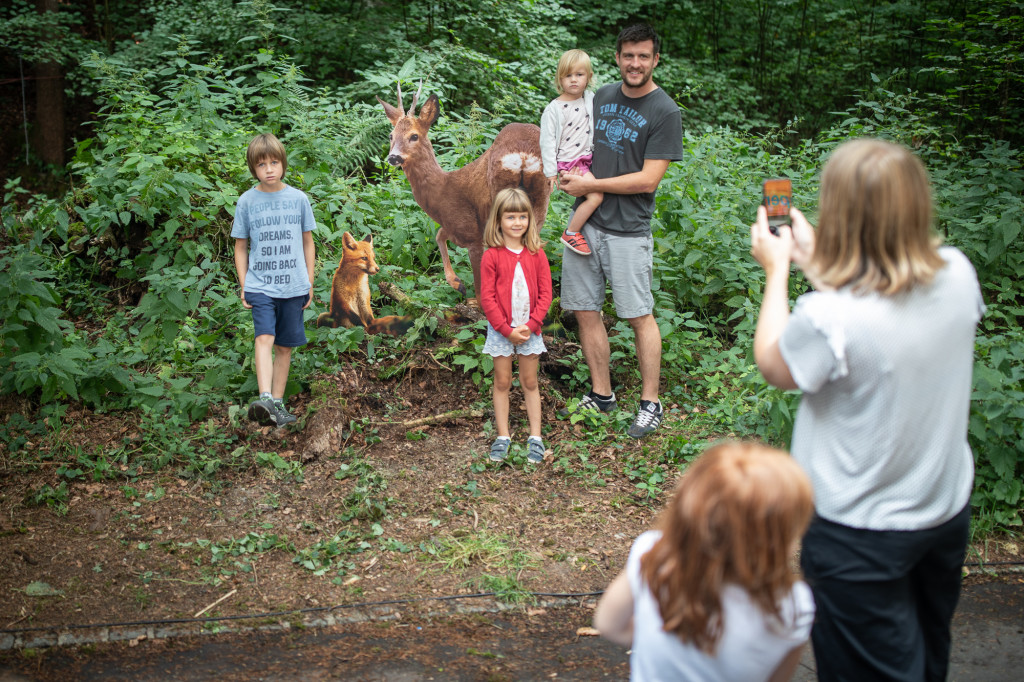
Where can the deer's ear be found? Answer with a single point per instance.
(430, 110)
(348, 240)
(391, 112)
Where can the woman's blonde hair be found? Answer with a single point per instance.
(734, 519)
(512, 200)
(874, 230)
(569, 60)
(265, 146)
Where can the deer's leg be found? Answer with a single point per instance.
(449, 272)
(476, 253)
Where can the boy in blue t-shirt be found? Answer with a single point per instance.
(274, 257)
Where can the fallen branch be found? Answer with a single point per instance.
(396, 294)
(214, 603)
(460, 315)
(439, 418)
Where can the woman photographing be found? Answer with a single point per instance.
(882, 351)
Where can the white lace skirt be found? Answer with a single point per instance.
(497, 345)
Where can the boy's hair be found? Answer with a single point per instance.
(637, 33)
(511, 200)
(265, 146)
(874, 229)
(569, 60)
(734, 519)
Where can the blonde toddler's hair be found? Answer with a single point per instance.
(569, 60)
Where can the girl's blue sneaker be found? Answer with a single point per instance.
(535, 449)
(499, 448)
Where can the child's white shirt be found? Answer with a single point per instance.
(752, 644)
(520, 295)
(553, 122)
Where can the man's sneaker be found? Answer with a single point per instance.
(589, 403)
(535, 450)
(576, 243)
(263, 412)
(499, 448)
(648, 419)
(282, 415)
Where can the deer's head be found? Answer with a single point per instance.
(409, 137)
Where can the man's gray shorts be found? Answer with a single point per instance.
(626, 263)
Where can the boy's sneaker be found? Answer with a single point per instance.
(282, 415)
(535, 450)
(648, 419)
(499, 448)
(576, 243)
(589, 402)
(263, 412)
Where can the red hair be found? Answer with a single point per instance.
(734, 519)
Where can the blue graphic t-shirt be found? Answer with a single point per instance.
(273, 222)
(628, 130)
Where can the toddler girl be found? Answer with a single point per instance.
(567, 138)
(712, 596)
(515, 294)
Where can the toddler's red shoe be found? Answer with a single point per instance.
(576, 243)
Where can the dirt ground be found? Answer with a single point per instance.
(428, 517)
(117, 558)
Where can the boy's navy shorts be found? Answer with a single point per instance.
(279, 317)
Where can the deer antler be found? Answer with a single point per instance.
(412, 109)
(401, 108)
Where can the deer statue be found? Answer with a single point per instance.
(460, 201)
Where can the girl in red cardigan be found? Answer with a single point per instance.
(515, 292)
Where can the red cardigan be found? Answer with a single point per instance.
(497, 268)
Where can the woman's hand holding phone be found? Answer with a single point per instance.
(803, 239)
(771, 251)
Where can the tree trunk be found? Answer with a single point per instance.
(48, 134)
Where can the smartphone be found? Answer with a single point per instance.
(777, 193)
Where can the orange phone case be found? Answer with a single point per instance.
(777, 194)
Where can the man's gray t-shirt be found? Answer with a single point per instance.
(273, 222)
(628, 130)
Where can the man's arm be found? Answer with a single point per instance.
(644, 180)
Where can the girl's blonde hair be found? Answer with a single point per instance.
(265, 146)
(874, 230)
(512, 200)
(734, 519)
(569, 60)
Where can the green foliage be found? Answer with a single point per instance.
(996, 430)
(42, 36)
(506, 588)
(232, 555)
(979, 61)
(122, 292)
(481, 548)
(280, 466)
(368, 499)
(54, 498)
(329, 554)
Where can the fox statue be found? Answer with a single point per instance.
(350, 292)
